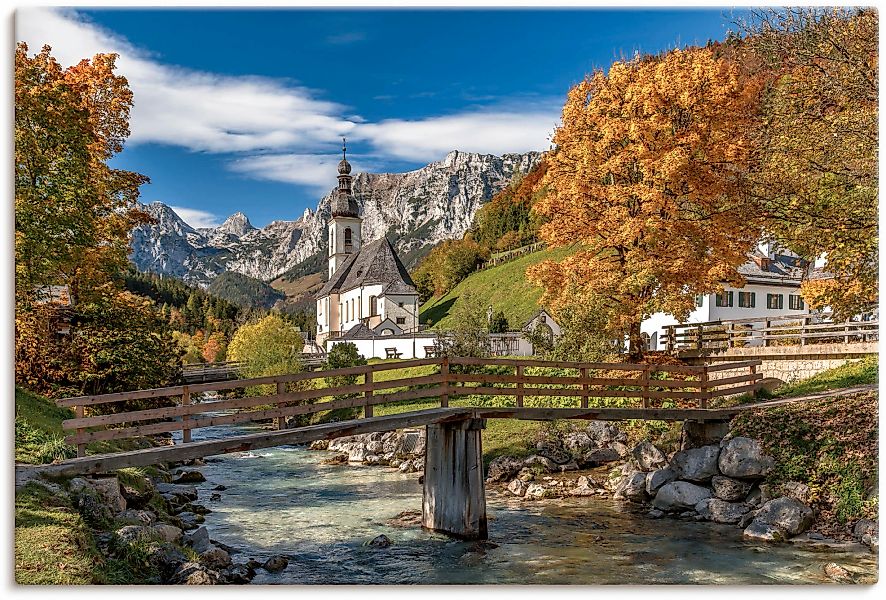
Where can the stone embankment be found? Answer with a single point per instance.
(402, 450)
(161, 516)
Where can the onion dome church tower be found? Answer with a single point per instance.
(344, 228)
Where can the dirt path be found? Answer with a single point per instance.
(816, 396)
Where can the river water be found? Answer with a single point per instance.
(321, 517)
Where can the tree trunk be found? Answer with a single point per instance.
(635, 340)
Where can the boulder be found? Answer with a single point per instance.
(656, 479)
(796, 490)
(319, 445)
(188, 477)
(679, 495)
(190, 520)
(622, 450)
(730, 490)
(788, 515)
(93, 509)
(763, 532)
(138, 498)
(655, 514)
(536, 491)
(275, 564)
(503, 468)
(720, 511)
(743, 458)
(553, 452)
(632, 487)
(167, 533)
(198, 540)
(696, 464)
(544, 462)
(864, 527)
(357, 454)
(238, 574)
(518, 487)
(837, 573)
(380, 541)
(872, 541)
(604, 432)
(598, 456)
(375, 447)
(136, 517)
(177, 494)
(335, 459)
(648, 457)
(192, 573)
(167, 557)
(215, 558)
(577, 443)
(132, 533)
(746, 518)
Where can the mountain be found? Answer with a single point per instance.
(244, 290)
(416, 210)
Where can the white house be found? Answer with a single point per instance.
(368, 285)
(772, 289)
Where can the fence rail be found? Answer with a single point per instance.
(219, 371)
(172, 409)
(767, 331)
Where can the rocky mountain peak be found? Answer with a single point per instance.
(237, 224)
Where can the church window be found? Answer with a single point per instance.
(373, 306)
(401, 320)
(400, 304)
(348, 242)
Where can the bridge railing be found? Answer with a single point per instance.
(173, 408)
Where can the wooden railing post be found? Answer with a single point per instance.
(803, 326)
(672, 332)
(767, 324)
(645, 383)
(730, 335)
(444, 373)
(186, 431)
(81, 448)
(585, 387)
(519, 386)
(703, 387)
(753, 369)
(846, 331)
(281, 389)
(699, 342)
(367, 395)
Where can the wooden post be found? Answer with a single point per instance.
(703, 386)
(803, 327)
(766, 326)
(846, 331)
(585, 387)
(454, 497)
(81, 448)
(699, 342)
(672, 332)
(730, 335)
(281, 389)
(520, 386)
(754, 372)
(644, 381)
(367, 395)
(186, 431)
(444, 371)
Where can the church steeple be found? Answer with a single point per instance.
(344, 228)
(344, 204)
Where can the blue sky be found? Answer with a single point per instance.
(243, 110)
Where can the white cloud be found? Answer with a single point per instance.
(479, 131)
(196, 218)
(280, 131)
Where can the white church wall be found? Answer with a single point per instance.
(408, 312)
(407, 346)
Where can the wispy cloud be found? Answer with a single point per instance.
(349, 37)
(196, 218)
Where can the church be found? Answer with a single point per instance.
(369, 292)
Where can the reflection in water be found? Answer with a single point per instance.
(282, 501)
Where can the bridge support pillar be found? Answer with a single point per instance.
(454, 499)
(697, 434)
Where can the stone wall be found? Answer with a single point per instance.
(787, 363)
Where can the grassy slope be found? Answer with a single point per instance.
(504, 287)
(828, 444)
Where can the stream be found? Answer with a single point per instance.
(321, 517)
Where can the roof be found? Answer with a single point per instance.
(775, 268)
(376, 263)
(359, 332)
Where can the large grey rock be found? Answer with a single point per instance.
(275, 564)
(788, 515)
(380, 541)
(503, 468)
(199, 540)
(578, 443)
(632, 487)
(357, 454)
(696, 464)
(864, 527)
(542, 461)
(193, 573)
(167, 533)
(167, 557)
(796, 490)
(536, 491)
(604, 432)
(744, 458)
(763, 532)
(598, 456)
(730, 490)
(132, 533)
(518, 487)
(720, 511)
(679, 495)
(656, 479)
(185, 476)
(136, 517)
(215, 558)
(239, 574)
(138, 497)
(649, 457)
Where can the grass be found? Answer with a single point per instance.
(504, 287)
(861, 372)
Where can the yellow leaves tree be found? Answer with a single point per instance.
(818, 178)
(270, 346)
(647, 182)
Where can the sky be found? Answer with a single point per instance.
(244, 110)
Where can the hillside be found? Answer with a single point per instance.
(504, 287)
(244, 290)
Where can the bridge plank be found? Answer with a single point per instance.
(109, 462)
(599, 414)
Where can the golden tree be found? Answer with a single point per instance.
(818, 179)
(647, 180)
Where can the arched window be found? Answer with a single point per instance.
(348, 243)
(373, 306)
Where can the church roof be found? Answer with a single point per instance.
(359, 332)
(375, 263)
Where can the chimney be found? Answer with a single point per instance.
(762, 262)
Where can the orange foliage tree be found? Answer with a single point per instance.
(647, 181)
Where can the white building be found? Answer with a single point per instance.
(772, 289)
(368, 285)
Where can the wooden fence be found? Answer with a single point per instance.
(767, 331)
(220, 371)
(296, 394)
(510, 255)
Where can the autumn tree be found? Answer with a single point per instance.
(270, 346)
(73, 212)
(817, 180)
(647, 183)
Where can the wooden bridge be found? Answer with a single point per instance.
(454, 500)
(227, 370)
